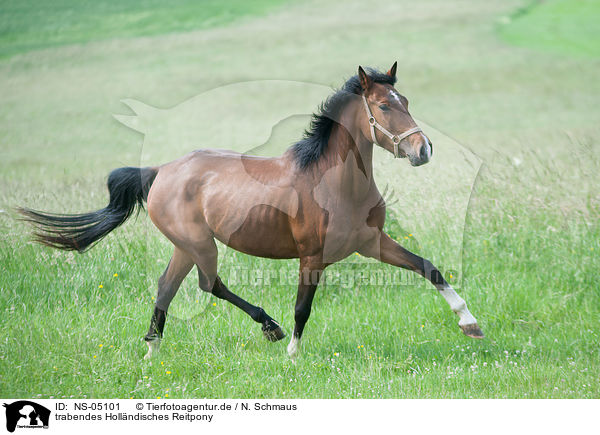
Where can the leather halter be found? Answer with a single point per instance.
(395, 138)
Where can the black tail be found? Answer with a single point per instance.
(128, 188)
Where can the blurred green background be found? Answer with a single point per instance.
(515, 82)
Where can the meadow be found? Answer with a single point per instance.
(486, 74)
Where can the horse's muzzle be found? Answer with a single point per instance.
(423, 156)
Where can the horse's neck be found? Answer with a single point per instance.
(349, 162)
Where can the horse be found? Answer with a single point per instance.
(317, 202)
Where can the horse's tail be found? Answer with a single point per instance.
(128, 189)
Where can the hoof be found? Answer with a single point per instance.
(472, 330)
(272, 331)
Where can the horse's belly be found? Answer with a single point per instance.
(264, 232)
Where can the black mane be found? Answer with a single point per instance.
(314, 141)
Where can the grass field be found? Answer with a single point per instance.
(565, 26)
(72, 325)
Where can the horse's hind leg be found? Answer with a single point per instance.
(205, 257)
(270, 327)
(168, 284)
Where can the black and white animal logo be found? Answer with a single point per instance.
(26, 414)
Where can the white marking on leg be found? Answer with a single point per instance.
(153, 347)
(294, 347)
(458, 305)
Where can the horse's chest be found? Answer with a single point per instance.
(346, 232)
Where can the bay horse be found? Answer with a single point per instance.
(317, 202)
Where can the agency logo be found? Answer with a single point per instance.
(26, 414)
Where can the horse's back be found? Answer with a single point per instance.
(229, 196)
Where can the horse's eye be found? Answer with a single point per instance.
(384, 107)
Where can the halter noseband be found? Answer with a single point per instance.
(395, 138)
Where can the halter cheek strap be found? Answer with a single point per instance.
(395, 138)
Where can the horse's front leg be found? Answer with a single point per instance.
(389, 251)
(310, 274)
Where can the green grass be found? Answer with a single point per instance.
(29, 25)
(530, 243)
(565, 26)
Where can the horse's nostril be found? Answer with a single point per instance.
(424, 153)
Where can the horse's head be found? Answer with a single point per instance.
(387, 122)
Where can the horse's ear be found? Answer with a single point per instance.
(392, 71)
(365, 80)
